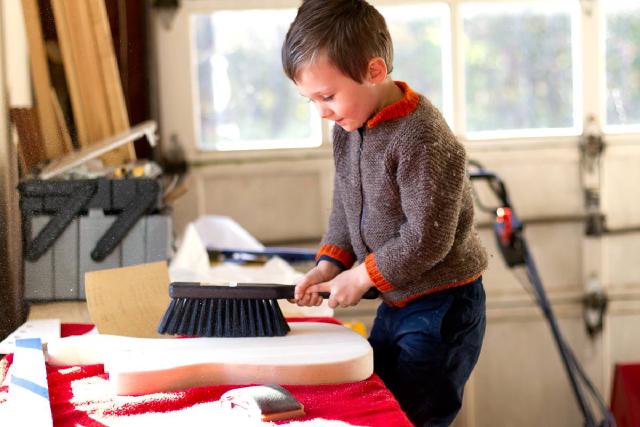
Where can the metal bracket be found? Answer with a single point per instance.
(71, 160)
(591, 147)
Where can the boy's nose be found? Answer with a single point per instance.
(325, 112)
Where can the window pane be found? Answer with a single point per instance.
(623, 63)
(420, 38)
(518, 66)
(244, 100)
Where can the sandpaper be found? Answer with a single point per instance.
(128, 301)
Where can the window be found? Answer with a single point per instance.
(622, 45)
(422, 46)
(518, 66)
(498, 70)
(244, 100)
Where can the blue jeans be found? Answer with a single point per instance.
(425, 351)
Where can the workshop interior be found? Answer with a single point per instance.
(164, 186)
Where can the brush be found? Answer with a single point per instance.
(229, 309)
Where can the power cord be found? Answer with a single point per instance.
(508, 230)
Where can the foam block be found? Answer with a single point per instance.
(312, 353)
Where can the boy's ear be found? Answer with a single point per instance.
(377, 70)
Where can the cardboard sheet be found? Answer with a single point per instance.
(128, 301)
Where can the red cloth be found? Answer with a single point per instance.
(80, 396)
(625, 395)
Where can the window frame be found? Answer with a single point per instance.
(613, 129)
(589, 74)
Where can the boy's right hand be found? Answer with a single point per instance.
(322, 272)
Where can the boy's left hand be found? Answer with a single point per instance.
(347, 288)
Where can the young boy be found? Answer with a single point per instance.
(402, 208)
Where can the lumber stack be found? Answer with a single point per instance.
(92, 79)
(51, 139)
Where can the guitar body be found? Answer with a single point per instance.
(312, 353)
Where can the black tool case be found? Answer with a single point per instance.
(70, 227)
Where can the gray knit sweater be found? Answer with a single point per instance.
(402, 203)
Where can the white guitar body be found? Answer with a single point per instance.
(312, 353)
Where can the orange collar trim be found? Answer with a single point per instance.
(402, 108)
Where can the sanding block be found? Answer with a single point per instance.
(269, 402)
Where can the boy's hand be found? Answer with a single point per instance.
(323, 272)
(346, 289)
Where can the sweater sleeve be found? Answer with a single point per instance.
(430, 175)
(336, 243)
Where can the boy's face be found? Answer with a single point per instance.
(337, 96)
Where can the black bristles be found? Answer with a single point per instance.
(177, 316)
(229, 326)
(242, 318)
(209, 325)
(220, 317)
(187, 308)
(261, 318)
(195, 317)
(162, 327)
(251, 317)
(280, 324)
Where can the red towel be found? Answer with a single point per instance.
(625, 394)
(80, 396)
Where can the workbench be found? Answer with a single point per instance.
(80, 395)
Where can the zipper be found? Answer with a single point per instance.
(362, 209)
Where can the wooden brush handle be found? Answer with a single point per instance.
(233, 290)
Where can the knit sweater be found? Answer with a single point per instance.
(402, 203)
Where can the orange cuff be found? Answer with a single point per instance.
(376, 276)
(337, 253)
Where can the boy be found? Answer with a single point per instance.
(402, 208)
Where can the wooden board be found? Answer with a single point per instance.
(93, 79)
(41, 81)
(312, 353)
(63, 131)
(93, 91)
(30, 147)
(71, 71)
(107, 63)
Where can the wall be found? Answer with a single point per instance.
(12, 310)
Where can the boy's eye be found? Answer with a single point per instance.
(327, 98)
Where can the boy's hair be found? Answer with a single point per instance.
(350, 32)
